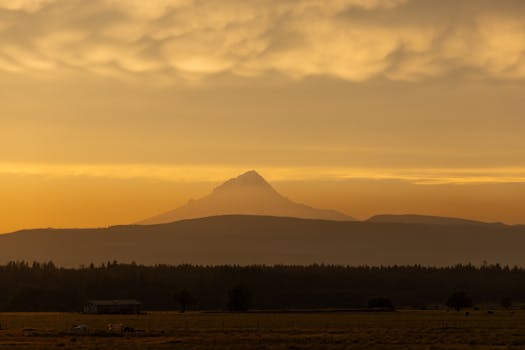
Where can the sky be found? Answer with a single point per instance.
(112, 111)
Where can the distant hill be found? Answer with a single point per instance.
(425, 219)
(248, 240)
(247, 194)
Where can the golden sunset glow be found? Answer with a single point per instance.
(116, 110)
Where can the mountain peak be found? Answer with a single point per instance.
(246, 194)
(249, 179)
(251, 176)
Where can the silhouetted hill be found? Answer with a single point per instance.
(247, 194)
(271, 240)
(425, 219)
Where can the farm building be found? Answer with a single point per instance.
(113, 307)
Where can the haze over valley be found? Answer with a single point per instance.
(246, 221)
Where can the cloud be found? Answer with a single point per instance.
(24, 5)
(354, 40)
(217, 173)
(500, 48)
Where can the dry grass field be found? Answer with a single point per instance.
(325, 330)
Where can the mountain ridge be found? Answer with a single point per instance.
(248, 239)
(426, 219)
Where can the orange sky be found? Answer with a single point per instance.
(112, 111)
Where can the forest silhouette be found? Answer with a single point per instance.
(46, 287)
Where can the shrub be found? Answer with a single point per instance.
(506, 302)
(380, 303)
(459, 300)
(184, 299)
(238, 299)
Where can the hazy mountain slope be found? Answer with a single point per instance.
(248, 194)
(425, 219)
(271, 240)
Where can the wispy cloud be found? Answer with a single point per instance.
(216, 173)
(187, 40)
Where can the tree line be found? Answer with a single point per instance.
(45, 287)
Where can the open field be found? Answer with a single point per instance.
(326, 330)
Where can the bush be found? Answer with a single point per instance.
(459, 300)
(506, 302)
(380, 303)
(184, 299)
(238, 299)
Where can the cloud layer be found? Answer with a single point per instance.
(190, 40)
(215, 173)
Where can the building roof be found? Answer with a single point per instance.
(121, 302)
